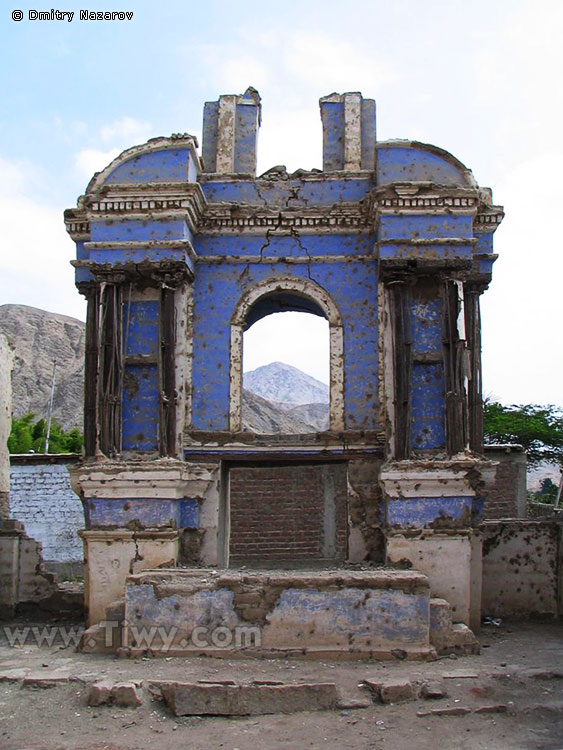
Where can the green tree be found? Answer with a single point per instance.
(27, 435)
(21, 438)
(539, 429)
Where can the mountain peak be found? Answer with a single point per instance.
(280, 382)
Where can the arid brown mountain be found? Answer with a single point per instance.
(263, 417)
(39, 337)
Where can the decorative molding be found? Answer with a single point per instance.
(407, 198)
(413, 241)
(170, 200)
(220, 217)
(428, 201)
(488, 220)
(150, 200)
(148, 273)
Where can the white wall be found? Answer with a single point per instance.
(41, 497)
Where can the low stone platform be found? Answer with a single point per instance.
(380, 614)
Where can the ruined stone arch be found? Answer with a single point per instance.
(311, 292)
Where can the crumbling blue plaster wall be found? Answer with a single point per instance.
(438, 231)
(160, 219)
(217, 290)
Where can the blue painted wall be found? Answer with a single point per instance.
(217, 290)
(429, 512)
(167, 165)
(427, 377)
(144, 512)
(400, 162)
(352, 285)
(140, 403)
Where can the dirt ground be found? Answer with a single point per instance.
(520, 670)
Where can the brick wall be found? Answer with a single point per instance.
(505, 493)
(41, 497)
(295, 513)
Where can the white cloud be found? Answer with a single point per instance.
(120, 134)
(91, 160)
(292, 70)
(517, 76)
(330, 63)
(36, 250)
(298, 339)
(126, 130)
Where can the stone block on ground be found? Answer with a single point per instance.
(497, 708)
(391, 691)
(462, 641)
(13, 675)
(433, 691)
(44, 680)
(453, 711)
(100, 693)
(188, 699)
(126, 695)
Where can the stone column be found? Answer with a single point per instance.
(398, 291)
(348, 132)
(456, 367)
(91, 292)
(230, 133)
(475, 387)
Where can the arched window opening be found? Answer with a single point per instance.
(286, 368)
(286, 295)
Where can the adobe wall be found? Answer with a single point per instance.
(522, 568)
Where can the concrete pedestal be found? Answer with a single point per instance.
(110, 556)
(453, 564)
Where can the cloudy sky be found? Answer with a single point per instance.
(481, 79)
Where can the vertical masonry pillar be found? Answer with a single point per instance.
(131, 399)
(9, 534)
(398, 291)
(456, 367)
(436, 379)
(348, 132)
(432, 503)
(230, 133)
(473, 293)
(91, 292)
(110, 367)
(6, 361)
